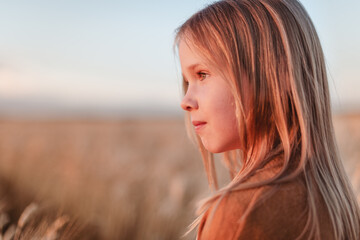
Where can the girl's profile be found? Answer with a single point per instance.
(256, 90)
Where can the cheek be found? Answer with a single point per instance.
(225, 108)
(225, 131)
(228, 123)
(223, 136)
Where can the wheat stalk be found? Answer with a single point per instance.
(52, 231)
(10, 232)
(24, 218)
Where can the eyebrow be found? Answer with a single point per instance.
(192, 66)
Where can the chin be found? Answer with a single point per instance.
(218, 148)
(215, 149)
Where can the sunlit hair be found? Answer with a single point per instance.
(273, 45)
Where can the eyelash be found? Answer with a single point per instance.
(201, 75)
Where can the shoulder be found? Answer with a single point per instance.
(279, 214)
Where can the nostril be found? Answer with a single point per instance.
(188, 103)
(186, 107)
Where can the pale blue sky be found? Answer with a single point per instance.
(119, 53)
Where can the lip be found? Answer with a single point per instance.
(198, 125)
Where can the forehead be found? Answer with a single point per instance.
(189, 55)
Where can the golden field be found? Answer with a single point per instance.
(112, 179)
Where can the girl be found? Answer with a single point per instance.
(256, 90)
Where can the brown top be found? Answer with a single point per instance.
(281, 216)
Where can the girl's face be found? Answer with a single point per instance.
(209, 102)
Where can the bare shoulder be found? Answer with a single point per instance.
(279, 215)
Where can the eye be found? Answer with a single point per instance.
(202, 75)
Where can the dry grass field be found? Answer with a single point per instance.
(111, 179)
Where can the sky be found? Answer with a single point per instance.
(119, 54)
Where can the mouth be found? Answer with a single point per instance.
(198, 125)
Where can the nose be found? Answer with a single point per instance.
(189, 103)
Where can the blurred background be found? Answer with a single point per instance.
(92, 140)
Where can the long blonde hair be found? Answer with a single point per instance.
(274, 45)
